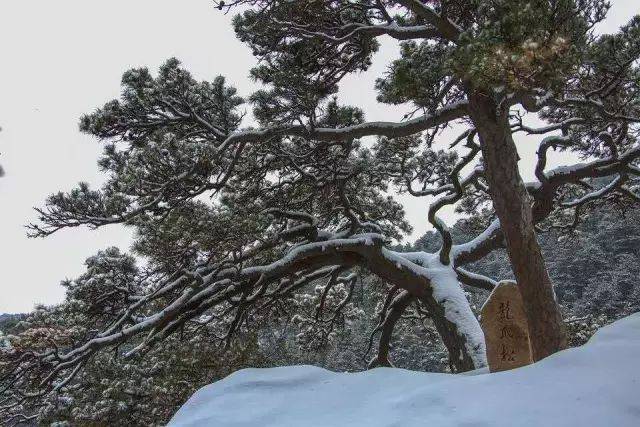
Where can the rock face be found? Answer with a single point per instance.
(505, 328)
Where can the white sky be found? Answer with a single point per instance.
(63, 58)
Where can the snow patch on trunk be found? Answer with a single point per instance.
(449, 294)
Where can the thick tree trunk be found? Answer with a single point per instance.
(513, 207)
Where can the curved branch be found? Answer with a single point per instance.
(393, 314)
(448, 29)
(549, 142)
(349, 31)
(490, 239)
(389, 129)
(458, 186)
(192, 293)
(612, 186)
(475, 280)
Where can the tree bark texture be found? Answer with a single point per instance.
(513, 205)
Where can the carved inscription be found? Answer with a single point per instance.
(505, 329)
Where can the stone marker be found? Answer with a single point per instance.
(505, 328)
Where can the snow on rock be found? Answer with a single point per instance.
(594, 385)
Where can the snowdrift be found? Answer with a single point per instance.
(594, 385)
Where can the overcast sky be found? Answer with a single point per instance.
(63, 58)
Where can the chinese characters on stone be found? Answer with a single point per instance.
(505, 328)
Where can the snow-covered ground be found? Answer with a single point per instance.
(595, 385)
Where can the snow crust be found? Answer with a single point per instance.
(594, 385)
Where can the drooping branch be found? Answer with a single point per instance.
(192, 293)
